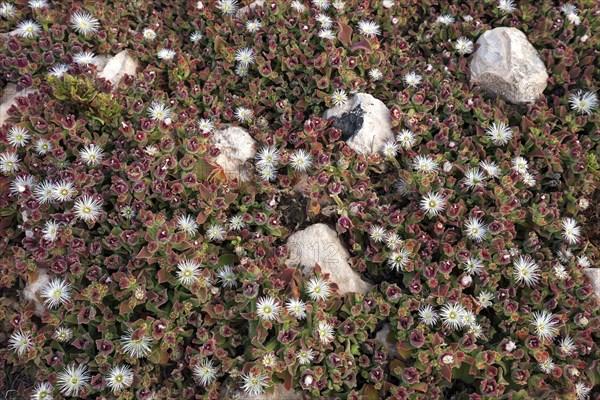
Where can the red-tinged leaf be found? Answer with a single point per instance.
(447, 373)
(158, 356)
(344, 34)
(362, 45)
(287, 275)
(287, 380)
(124, 308)
(526, 123)
(163, 276)
(144, 253)
(420, 386)
(370, 392)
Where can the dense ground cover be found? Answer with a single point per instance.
(168, 280)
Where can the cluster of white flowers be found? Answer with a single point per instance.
(571, 13)
(267, 160)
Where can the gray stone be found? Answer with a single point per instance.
(236, 147)
(319, 244)
(386, 337)
(364, 121)
(277, 392)
(35, 283)
(594, 275)
(9, 97)
(117, 66)
(507, 65)
(246, 9)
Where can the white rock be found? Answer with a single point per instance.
(246, 9)
(386, 337)
(594, 275)
(118, 66)
(9, 97)
(364, 121)
(35, 283)
(278, 392)
(507, 65)
(236, 146)
(319, 244)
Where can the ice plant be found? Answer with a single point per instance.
(428, 315)
(473, 266)
(463, 46)
(296, 308)
(18, 136)
(188, 272)
(85, 58)
(267, 308)
(149, 34)
(84, 23)
(325, 332)
(474, 178)
(28, 28)
(377, 233)
(50, 231)
(399, 259)
(43, 146)
(21, 184)
(583, 103)
(73, 379)
(318, 288)
(62, 334)
(305, 356)
(87, 208)
(412, 79)
(9, 163)
(506, 6)
(215, 232)
(136, 344)
(243, 114)
(546, 328)
(236, 223)
(369, 28)
(205, 372)
(570, 231)
(245, 56)
(425, 164)
(119, 377)
(20, 342)
(187, 224)
(58, 71)
(406, 139)
(301, 160)
(7, 10)
(159, 111)
(392, 240)
(268, 155)
(339, 98)
(526, 271)
(375, 74)
(389, 149)
(445, 19)
(499, 133)
(227, 7)
(452, 315)
(475, 229)
(227, 276)
(42, 391)
(253, 26)
(433, 204)
(57, 292)
(567, 346)
(166, 54)
(485, 298)
(254, 385)
(582, 391)
(92, 155)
